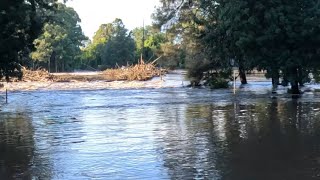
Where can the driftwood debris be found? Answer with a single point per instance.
(40, 75)
(139, 72)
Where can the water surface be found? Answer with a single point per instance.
(168, 133)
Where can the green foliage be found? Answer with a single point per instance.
(185, 24)
(218, 79)
(60, 42)
(112, 45)
(277, 36)
(152, 39)
(196, 69)
(21, 22)
(119, 49)
(274, 36)
(217, 83)
(316, 76)
(92, 53)
(172, 55)
(104, 33)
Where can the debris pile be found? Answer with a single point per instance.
(40, 75)
(139, 72)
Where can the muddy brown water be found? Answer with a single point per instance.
(167, 133)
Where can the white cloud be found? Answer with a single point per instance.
(93, 13)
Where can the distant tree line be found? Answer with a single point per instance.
(206, 37)
(114, 45)
(47, 34)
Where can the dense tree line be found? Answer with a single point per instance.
(47, 34)
(114, 45)
(38, 33)
(281, 37)
(21, 22)
(58, 46)
(207, 37)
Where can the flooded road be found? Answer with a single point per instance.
(167, 133)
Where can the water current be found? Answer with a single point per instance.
(163, 133)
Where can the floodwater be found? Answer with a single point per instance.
(167, 133)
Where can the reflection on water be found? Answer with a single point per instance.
(16, 146)
(158, 134)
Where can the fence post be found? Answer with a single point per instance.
(6, 96)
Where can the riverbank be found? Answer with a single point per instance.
(32, 86)
(173, 79)
(94, 81)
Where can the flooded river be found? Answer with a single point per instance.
(166, 133)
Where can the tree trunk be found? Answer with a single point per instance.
(275, 81)
(56, 65)
(295, 88)
(285, 81)
(242, 74)
(52, 60)
(275, 78)
(300, 76)
(33, 16)
(294, 82)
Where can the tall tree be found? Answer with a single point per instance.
(60, 42)
(21, 22)
(277, 36)
(148, 42)
(93, 52)
(119, 49)
(193, 22)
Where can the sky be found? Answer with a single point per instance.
(93, 13)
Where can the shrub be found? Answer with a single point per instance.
(217, 83)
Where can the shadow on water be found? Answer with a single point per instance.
(17, 147)
(277, 140)
(274, 141)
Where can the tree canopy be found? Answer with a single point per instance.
(92, 53)
(21, 22)
(112, 45)
(61, 39)
(148, 42)
(119, 49)
(279, 36)
(204, 36)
